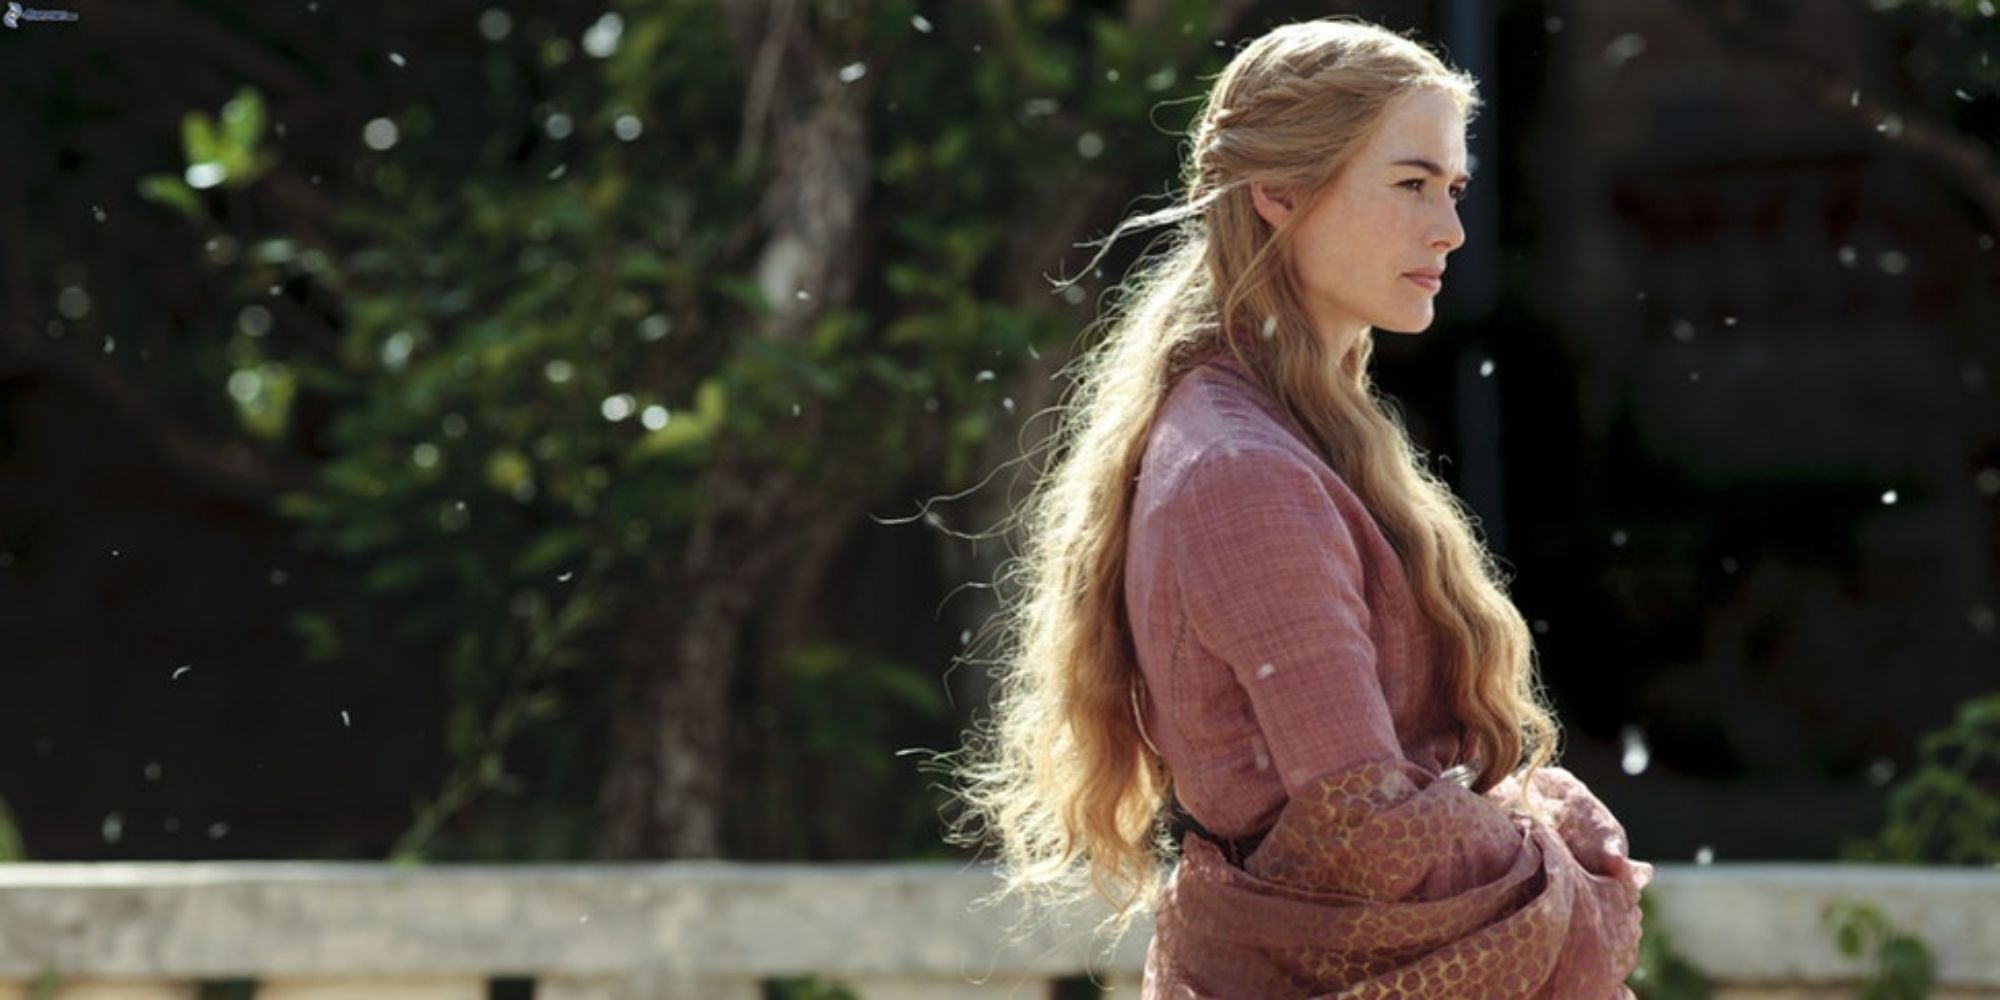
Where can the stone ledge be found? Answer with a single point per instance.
(1742, 923)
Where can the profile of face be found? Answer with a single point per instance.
(1370, 252)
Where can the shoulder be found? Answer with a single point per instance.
(1216, 434)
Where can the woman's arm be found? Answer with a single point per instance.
(1272, 582)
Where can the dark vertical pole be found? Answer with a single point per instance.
(1466, 29)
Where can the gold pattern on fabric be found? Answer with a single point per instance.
(1383, 882)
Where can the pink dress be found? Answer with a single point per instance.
(1290, 684)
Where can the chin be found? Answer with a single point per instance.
(1411, 326)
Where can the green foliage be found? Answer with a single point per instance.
(548, 339)
(221, 151)
(1663, 973)
(1947, 810)
(807, 988)
(1902, 966)
(11, 846)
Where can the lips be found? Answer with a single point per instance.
(1429, 279)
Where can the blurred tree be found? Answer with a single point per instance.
(603, 354)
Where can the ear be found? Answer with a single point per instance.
(1275, 206)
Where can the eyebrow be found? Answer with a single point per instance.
(1430, 168)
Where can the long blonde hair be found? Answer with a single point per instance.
(1062, 773)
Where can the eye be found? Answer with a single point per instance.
(1416, 184)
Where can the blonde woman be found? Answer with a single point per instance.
(1248, 615)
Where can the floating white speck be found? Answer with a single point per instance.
(1728, 321)
(112, 828)
(601, 38)
(97, 213)
(1636, 756)
(152, 770)
(397, 58)
(344, 720)
(1888, 497)
(1893, 262)
(655, 417)
(985, 375)
(1270, 327)
(1486, 368)
(1266, 671)
(1982, 619)
(1090, 145)
(1540, 626)
(1683, 331)
(1880, 770)
(178, 671)
(628, 127)
(1624, 49)
(964, 637)
(1618, 538)
(1854, 99)
(917, 21)
(1848, 257)
(218, 830)
(1704, 856)
(494, 24)
(566, 576)
(380, 134)
(852, 72)
(204, 175)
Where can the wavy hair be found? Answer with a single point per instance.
(1061, 777)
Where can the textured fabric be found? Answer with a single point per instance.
(1290, 686)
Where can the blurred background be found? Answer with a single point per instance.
(536, 431)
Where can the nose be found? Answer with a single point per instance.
(1447, 234)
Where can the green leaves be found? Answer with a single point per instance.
(222, 151)
(1947, 810)
(1902, 966)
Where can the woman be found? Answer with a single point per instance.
(1250, 613)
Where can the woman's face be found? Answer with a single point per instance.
(1392, 211)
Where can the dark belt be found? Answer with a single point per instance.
(1235, 850)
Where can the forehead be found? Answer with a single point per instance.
(1425, 125)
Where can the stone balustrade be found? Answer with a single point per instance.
(719, 931)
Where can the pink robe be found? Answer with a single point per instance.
(1290, 684)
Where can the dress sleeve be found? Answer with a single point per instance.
(1270, 577)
